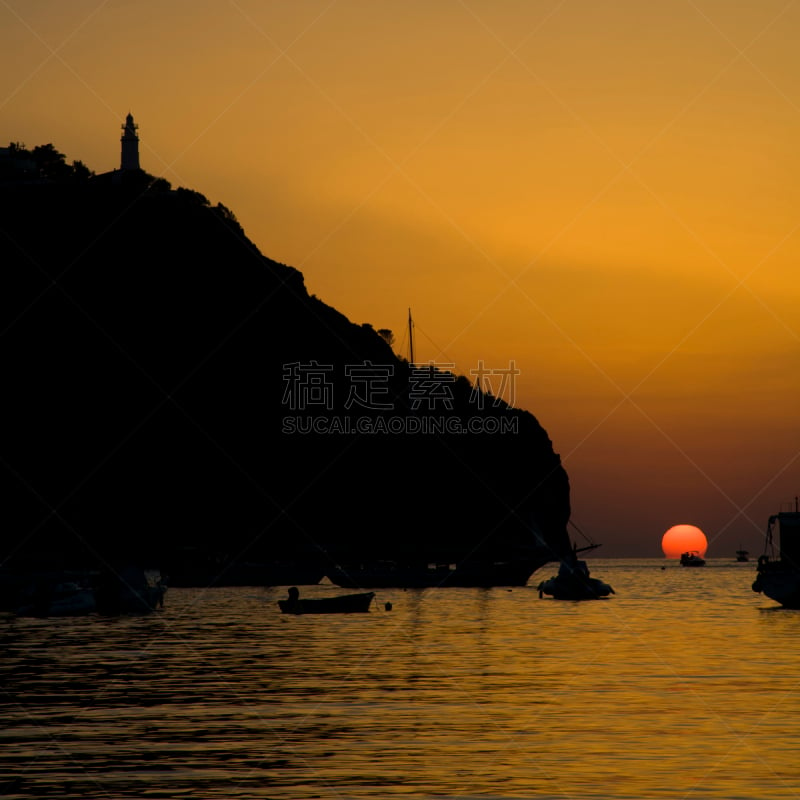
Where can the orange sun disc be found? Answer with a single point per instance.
(682, 538)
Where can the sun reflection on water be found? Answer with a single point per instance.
(682, 684)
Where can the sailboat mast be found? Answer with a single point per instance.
(410, 339)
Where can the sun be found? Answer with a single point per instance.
(680, 538)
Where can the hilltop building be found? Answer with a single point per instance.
(130, 145)
(129, 167)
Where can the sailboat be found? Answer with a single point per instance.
(439, 570)
(573, 580)
(423, 574)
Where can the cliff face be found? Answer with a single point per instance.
(166, 385)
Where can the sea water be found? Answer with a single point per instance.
(683, 684)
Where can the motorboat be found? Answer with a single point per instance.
(574, 582)
(335, 604)
(778, 574)
(692, 558)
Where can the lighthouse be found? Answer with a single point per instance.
(130, 145)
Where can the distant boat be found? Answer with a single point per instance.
(779, 578)
(742, 555)
(340, 604)
(692, 558)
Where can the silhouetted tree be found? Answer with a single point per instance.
(386, 335)
(80, 171)
(160, 185)
(226, 213)
(192, 196)
(50, 162)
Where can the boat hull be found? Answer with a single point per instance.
(591, 589)
(780, 585)
(78, 593)
(343, 604)
(62, 600)
(779, 579)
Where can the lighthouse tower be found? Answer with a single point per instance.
(130, 145)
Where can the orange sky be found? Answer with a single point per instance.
(605, 194)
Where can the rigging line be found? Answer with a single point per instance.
(580, 532)
(403, 345)
(410, 339)
(439, 350)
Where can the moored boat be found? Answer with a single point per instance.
(384, 574)
(510, 565)
(779, 577)
(73, 593)
(56, 596)
(129, 590)
(574, 582)
(335, 604)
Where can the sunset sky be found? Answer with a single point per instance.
(605, 194)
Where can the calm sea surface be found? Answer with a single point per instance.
(684, 684)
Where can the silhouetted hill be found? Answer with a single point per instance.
(151, 359)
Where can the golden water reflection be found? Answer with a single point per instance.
(682, 684)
